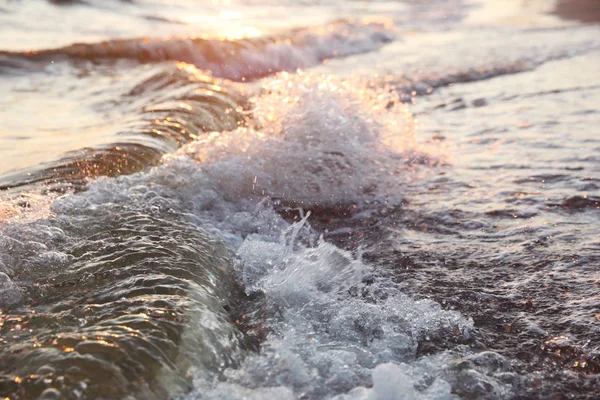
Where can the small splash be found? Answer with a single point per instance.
(313, 141)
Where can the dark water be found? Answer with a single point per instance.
(412, 215)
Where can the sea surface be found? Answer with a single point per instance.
(259, 199)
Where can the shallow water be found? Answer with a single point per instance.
(325, 199)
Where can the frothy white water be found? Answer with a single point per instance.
(339, 328)
(336, 326)
(313, 141)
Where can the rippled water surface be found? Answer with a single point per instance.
(299, 200)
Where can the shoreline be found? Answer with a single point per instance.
(587, 11)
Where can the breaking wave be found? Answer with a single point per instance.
(191, 279)
(236, 59)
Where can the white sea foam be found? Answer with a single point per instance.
(337, 326)
(313, 141)
(334, 333)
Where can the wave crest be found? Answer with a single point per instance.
(240, 59)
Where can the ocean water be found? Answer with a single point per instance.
(298, 200)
